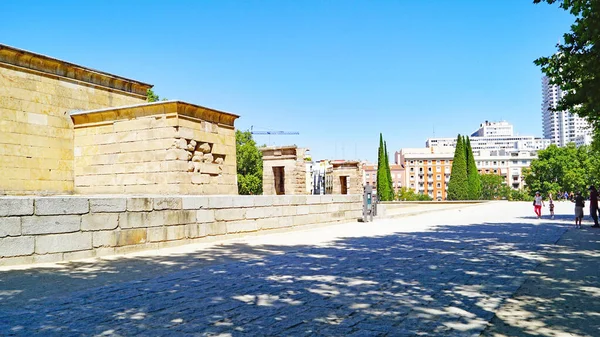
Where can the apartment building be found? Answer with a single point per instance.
(426, 170)
(561, 127)
(507, 164)
(370, 175)
(494, 136)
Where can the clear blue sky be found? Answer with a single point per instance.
(338, 71)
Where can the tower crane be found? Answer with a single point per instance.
(278, 133)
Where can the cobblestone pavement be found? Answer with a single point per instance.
(445, 277)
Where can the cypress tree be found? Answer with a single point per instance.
(382, 177)
(473, 176)
(458, 188)
(390, 195)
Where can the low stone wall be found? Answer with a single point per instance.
(50, 229)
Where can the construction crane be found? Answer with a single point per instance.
(272, 132)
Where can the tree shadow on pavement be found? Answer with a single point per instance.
(448, 281)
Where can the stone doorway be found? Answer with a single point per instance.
(279, 179)
(344, 184)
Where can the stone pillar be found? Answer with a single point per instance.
(284, 170)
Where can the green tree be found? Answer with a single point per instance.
(391, 195)
(151, 96)
(383, 183)
(473, 176)
(407, 194)
(568, 168)
(458, 186)
(493, 187)
(249, 164)
(575, 67)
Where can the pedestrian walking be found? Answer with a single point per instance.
(551, 205)
(538, 202)
(579, 205)
(594, 205)
(566, 196)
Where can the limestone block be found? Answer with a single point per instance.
(200, 179)
(289, 210)
(205, 215)
(22, 245)
(313, 199)
(167, 203)
(132, 220)
(51, 224)
(259, 212)
(176, 232)
(340, 198)
(194, 202)
(82, 254)
(210, 168)
(355, 197)
(243, 201)
(301, 210)
(220, 201)
(48, 258)
(191, 167)
(353, 215)
(298, 200)
(230, 214)
(315, 209)
(63, 242)
(191, 145)
(204, 148)
(100, 221)
(242, 226)
(109, 205)
(16, 206)
(104, 239)
(282, 200)
(139, 204)
(263, 200)
(191, 231)
(333, 208)
(267, 223)
(212, 228)
(56, 206)
(180, 143)
(10, 226)
(131, 237)
(219, 160)
(326, 199)
(157, 234)
(286, 221)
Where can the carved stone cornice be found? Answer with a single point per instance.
(23, 59)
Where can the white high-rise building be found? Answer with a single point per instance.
(494, 136)
(561, 127)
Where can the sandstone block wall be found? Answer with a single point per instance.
(353, 173)
(49, 229)
(163, 147)
(291, 159)
(36, 95)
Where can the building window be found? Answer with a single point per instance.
(438, 177)
(412, 169)
(412, 177)
(439, 185)
(367, 176)
(412, 162)
(439, 168)
(429, 170)
(420, 162)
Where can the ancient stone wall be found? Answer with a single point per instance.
(36, 95)
(352, 171)
(49, 229)
(291, 159)
(164, 147)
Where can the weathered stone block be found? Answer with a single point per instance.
(313, 199)
(242, 226)
(220, 202)
(104, 239)
(263, 200)
(340, 198)
(22, 245)
(333, 207)
(205, 215)
(301, 210)
(95, 222)
(157, 234)
(267, 223)
(58, 206)
(167, 203)
(132, 220)
(82, 254)
(139, 204)
(298, 199)
(50, 224)
(326, 199)
(191, 231)
(243, 201)
(289, 210)
(212, 228)
(10, 226)
(259, 212)
(317, 209)
(282, 200)
(194, 202)
(230, 214)
(176, 232)
(16, 206)
(108, 205)
(131, 237)
(286, 221)
(63, 243)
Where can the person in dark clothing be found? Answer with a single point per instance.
(594, 205)
(579, 204)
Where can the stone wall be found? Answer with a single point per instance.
(167, 147)
(49, 229)
(291, 159)
(353, 173)
(36, 95)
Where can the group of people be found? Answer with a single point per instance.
(579, 201)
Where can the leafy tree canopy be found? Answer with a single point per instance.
(249, 164)
(576, 65)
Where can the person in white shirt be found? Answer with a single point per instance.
(538, 202)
